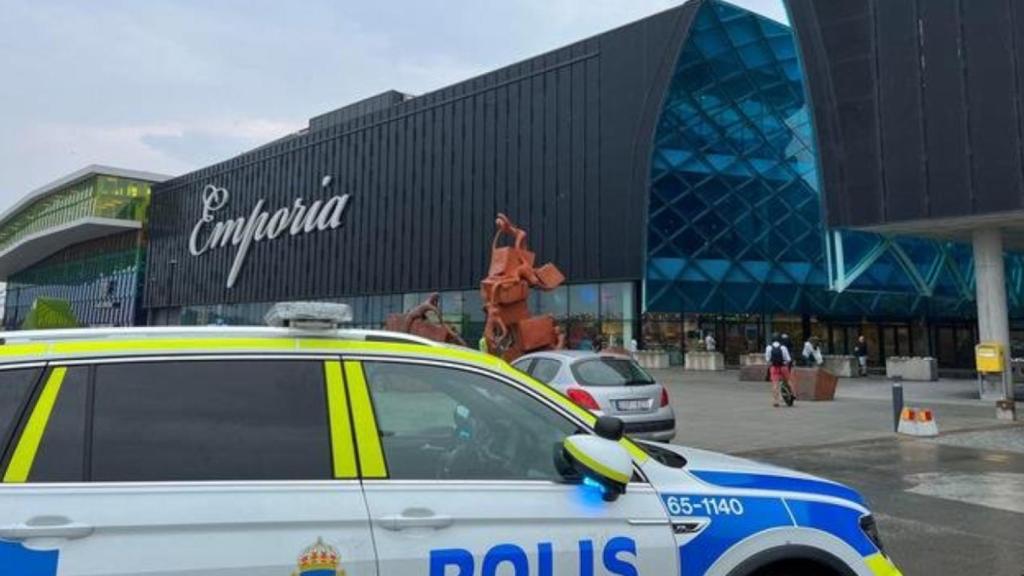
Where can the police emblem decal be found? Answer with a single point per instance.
(319, 559)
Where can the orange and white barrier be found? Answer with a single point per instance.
(918, 422)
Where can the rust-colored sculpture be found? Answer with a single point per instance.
(416, 321)
(510, 331)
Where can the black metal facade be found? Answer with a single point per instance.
(917, 105)
(561, 142)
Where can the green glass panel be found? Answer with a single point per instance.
(96, 197)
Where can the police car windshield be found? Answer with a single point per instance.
(662, 455)
(610, 371)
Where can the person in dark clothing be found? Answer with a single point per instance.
(861, 352)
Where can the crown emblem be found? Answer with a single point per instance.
(319, 559)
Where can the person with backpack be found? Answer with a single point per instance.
(787, 343)
(778, 358)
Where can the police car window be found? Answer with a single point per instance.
(210, 420)
(546, 369)
(15, 387)
(61, 453)
(449, 424)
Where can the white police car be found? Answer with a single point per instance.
(284, 451)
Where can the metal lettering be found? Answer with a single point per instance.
(260, 224)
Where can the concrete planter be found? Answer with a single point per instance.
(705, 361)
(754, 373)
(912, 368)
(841, 366)
(814, 384)
(752, 359)
(652, 359)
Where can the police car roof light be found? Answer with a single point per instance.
(308, 315)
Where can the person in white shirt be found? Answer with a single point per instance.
(778, 359)
(811, 353)
(709, 343)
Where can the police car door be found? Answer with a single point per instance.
(459, 476)
(185, 466)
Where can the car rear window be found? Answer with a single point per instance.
(608, 371)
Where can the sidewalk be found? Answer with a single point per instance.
(716, 411)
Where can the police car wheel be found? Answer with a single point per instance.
(796, 568)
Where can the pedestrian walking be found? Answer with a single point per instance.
(861, 352)
(811, 353)
(709, 342)
(778, 359)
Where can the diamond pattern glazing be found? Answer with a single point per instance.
(734, 216)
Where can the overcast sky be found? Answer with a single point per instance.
(171, 86)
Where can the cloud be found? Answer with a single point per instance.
(167, 147)
(174, 85)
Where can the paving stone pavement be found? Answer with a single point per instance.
(946, 505)
(716, 411)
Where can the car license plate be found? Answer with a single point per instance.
(633, 405)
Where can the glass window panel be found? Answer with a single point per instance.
(545, 369)
(583, 334)
(410, 300)
(61, 453)
(15, 386)
(472, 306)
(103, 196)
(375, 309)
(617, 301)
(451, 306)
(618, 333)
(555, 302)
(251, 420)
(446, 424)
(392, 304)
(583, 300)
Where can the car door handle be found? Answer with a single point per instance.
(46, 527)
(414, 518)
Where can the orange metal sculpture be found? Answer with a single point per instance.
(416, 321)
(510, 331)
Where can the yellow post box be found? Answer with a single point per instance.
(988, 357)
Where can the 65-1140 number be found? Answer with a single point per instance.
(703, 506)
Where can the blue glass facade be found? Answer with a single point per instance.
(735, 222)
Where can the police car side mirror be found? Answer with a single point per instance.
(600, 462)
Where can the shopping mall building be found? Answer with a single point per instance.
(75, 250)
(668, 167)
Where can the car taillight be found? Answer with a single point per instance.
(664, 397)
(582, 398)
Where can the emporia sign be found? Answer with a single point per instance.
(260, 224)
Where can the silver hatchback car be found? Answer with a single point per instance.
(609, 384)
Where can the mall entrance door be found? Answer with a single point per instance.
(953, 345)
(895, 340)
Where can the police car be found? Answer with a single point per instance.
(313, 451)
